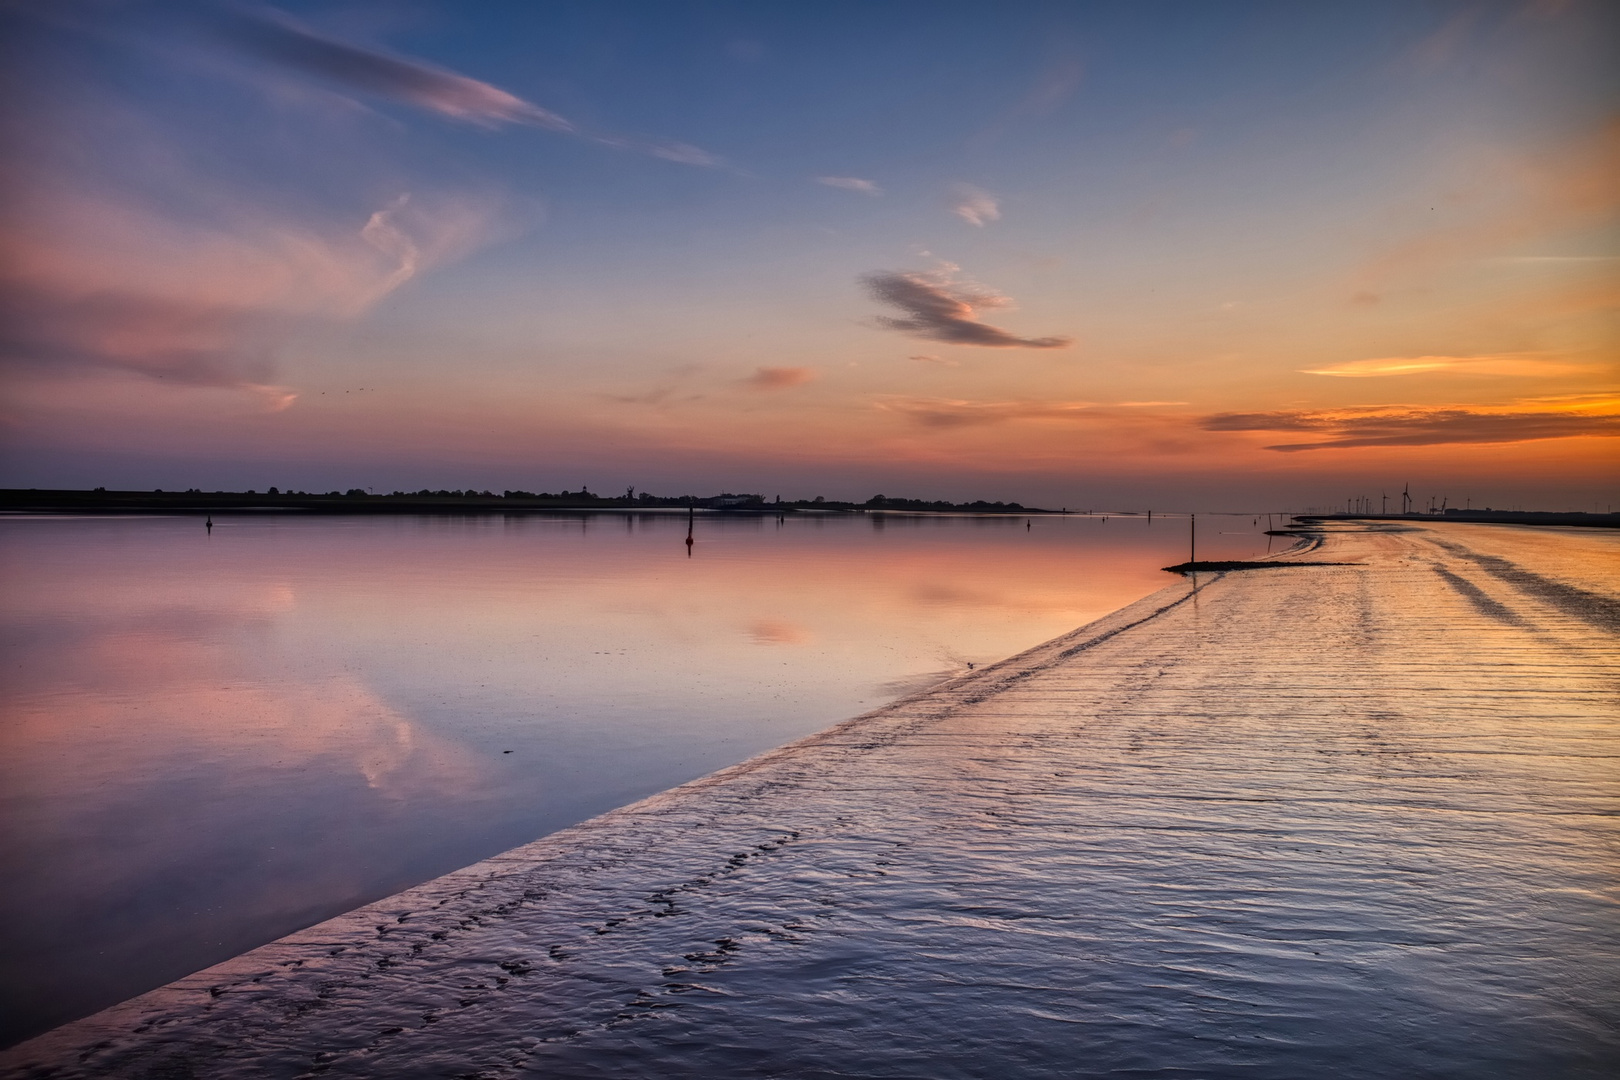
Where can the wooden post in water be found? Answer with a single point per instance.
(1192, 538)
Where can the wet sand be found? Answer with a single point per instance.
(1352, 820)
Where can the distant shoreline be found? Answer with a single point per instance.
(467, 503)
(101, 501)
(1484, 517)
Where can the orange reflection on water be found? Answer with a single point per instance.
(213, 739)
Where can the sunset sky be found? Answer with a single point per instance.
(1182, 255)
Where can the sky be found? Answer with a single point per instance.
(1113, 255)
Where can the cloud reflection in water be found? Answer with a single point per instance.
(212, 740)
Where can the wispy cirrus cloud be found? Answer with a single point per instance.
(974, 205)
(955, 413)
(274, 37)
(665, 149)
(169, 339)
(1053, 86)
(674, 389)
(277, 39)
(1399, 425)
(939, 308)
(100, 285)
(779, 378)
(1553, 260)
(1513, 364)
(851, 183)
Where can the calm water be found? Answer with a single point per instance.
(212, 740)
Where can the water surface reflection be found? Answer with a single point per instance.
(212, 738)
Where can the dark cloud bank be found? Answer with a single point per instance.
(1416, 427)
(939, 310)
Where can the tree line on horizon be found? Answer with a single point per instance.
(583, 498)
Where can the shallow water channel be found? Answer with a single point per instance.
(210, 740)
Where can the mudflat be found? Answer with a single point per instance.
(1355, 820)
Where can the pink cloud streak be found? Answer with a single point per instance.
(94, 283)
